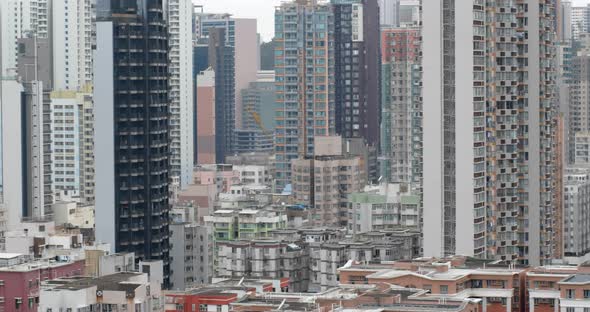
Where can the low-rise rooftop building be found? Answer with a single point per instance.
(20, 283)
(116, 292)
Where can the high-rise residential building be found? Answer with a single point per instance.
(35, 73)
(564, 21)
(580, 20)
(214, 52)
(305, 81)
(131, 128)
(258, 110)
(70, 34)
(205, 124)
(389, 12)
(203, 22)
(259, 102)
(582, 148)
(401, 138)
(409, 13)
(22, 18)
(325, 180)
(577, 211)
(12, 162)
(489, 129)
(39, 195)
(180, 24)
(566, 105)
(72, 147)
(48, 43)
(247, 51)
(242, 35)
(578, 82)
(253, 141)
(67, 25)
(357, 70)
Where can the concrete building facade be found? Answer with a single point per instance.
(401, 105)
(357, 70)
(304, 54)
(72, 144)
(501, 163)
(258, 103)
(576, 211)
(324, 181)
(205, 151)
(111, 292)
(580, 21)
(12, 161)
(181, 89)
(385, 207)
(132, 134)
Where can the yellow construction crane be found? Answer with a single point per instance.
(257, 119)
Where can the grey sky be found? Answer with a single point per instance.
(263, 10)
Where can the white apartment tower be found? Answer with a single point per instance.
(389, 12)
(71, 38)
(489, 135)
(181, 95)
(68, 27)
(21, 18)
(564, 21)
(580, 20)
(72, 144)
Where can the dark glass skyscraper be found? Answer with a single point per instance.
(131, 99)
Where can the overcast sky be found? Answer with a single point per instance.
(263, 10)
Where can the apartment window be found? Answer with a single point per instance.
(202, 308)
(586, 293)
(570, 293)
(570, 309)
(444, 289)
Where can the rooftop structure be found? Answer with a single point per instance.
(110, 292)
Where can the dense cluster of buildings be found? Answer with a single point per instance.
(400, 155)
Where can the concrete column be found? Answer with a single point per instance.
(509, 304)
(484, 304)
(556, 305)
(531, 304)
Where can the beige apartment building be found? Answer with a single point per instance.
(324, 181)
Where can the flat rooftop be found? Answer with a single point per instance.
(113, 282)
(5, 255)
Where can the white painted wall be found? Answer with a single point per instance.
(433, 129)
(12, 161)
(182, 96)
(104, 135)
(464, 128)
